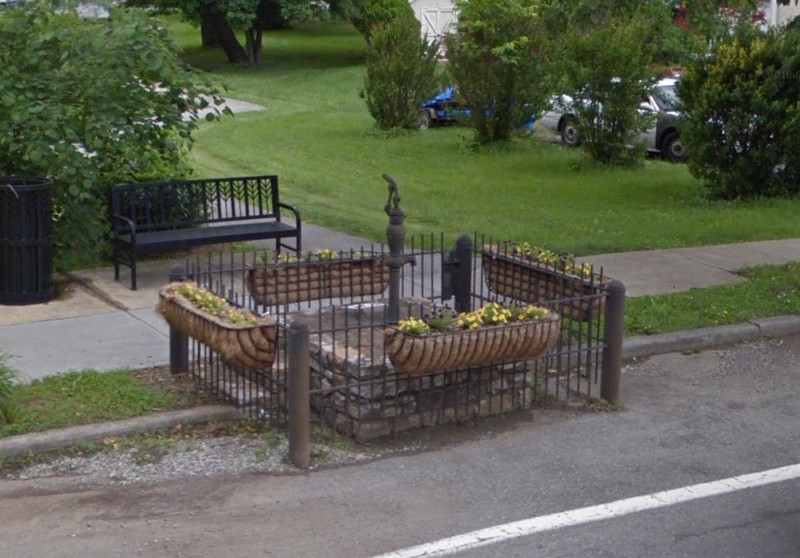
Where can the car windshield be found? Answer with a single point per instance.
(666, 97)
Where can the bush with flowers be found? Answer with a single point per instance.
(208, 302)
(319, 255)
(561, 262)
(491, 314)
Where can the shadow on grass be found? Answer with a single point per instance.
(313, 45)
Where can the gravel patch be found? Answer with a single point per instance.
(203, 457)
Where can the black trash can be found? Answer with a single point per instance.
(26, 260)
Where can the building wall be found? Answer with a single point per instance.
(787, 13)
(436, 17)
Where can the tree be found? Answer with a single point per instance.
(741, 122)
(607, 70)
(496, 57)
(90, 104)
(368, 15)
(704, 20)
(220, 19)
(714, 18)
(402, 72)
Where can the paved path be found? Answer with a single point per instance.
(680, 269)
(235, 105)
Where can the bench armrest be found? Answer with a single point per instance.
(294, 210)
(130, 224)
(297, 223)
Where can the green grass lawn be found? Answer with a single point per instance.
(317, 135)
(770, 290)
(87, 396)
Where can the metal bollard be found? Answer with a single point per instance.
(612, 342)
(178, 342)
(462, 285)
(299, 397)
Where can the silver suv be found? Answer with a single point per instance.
(663, 138)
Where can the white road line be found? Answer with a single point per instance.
(525, 527)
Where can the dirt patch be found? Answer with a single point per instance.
(63, 289)
(184, 387)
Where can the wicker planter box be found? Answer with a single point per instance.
(416, 354)
(283, 283)
(247, 346)
(527, 280)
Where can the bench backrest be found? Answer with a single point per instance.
(185, 203)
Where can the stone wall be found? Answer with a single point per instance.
(356, 390)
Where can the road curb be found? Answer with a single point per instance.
(64, 437)
(706, 337)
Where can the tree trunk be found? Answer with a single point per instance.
(225, 35)
(258, 47)
(208, 32)
(254, 46)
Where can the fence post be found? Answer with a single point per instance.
(299, 397)
(463, 277)
(178, 342)
(612, 342)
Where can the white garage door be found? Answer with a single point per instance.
(437, 22)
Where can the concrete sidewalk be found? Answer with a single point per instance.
(101, 324)
(680, 269)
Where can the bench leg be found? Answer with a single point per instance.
(133, 271)
(116, 262)
(279, 245)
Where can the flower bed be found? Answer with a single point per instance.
(535, 275)
(321, 275)
(491, 335)
(241, 337)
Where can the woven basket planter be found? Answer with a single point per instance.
(283, 283)
(247, 346)
(416, 354)
(526, 280)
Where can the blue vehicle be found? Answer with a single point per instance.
(446, 108)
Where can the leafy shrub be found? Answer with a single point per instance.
(402, 72)
(91, 103)
(741, 121)
(368, 15)
(606, 70)
(496, 58)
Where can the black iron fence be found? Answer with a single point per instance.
(345, 304)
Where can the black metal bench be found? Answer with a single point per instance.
(179, 214)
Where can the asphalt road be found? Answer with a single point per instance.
(687, 419)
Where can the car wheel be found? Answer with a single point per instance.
(569, 133)
(424, 120)
(672, 148)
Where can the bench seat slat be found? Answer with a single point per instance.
(181, 238)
